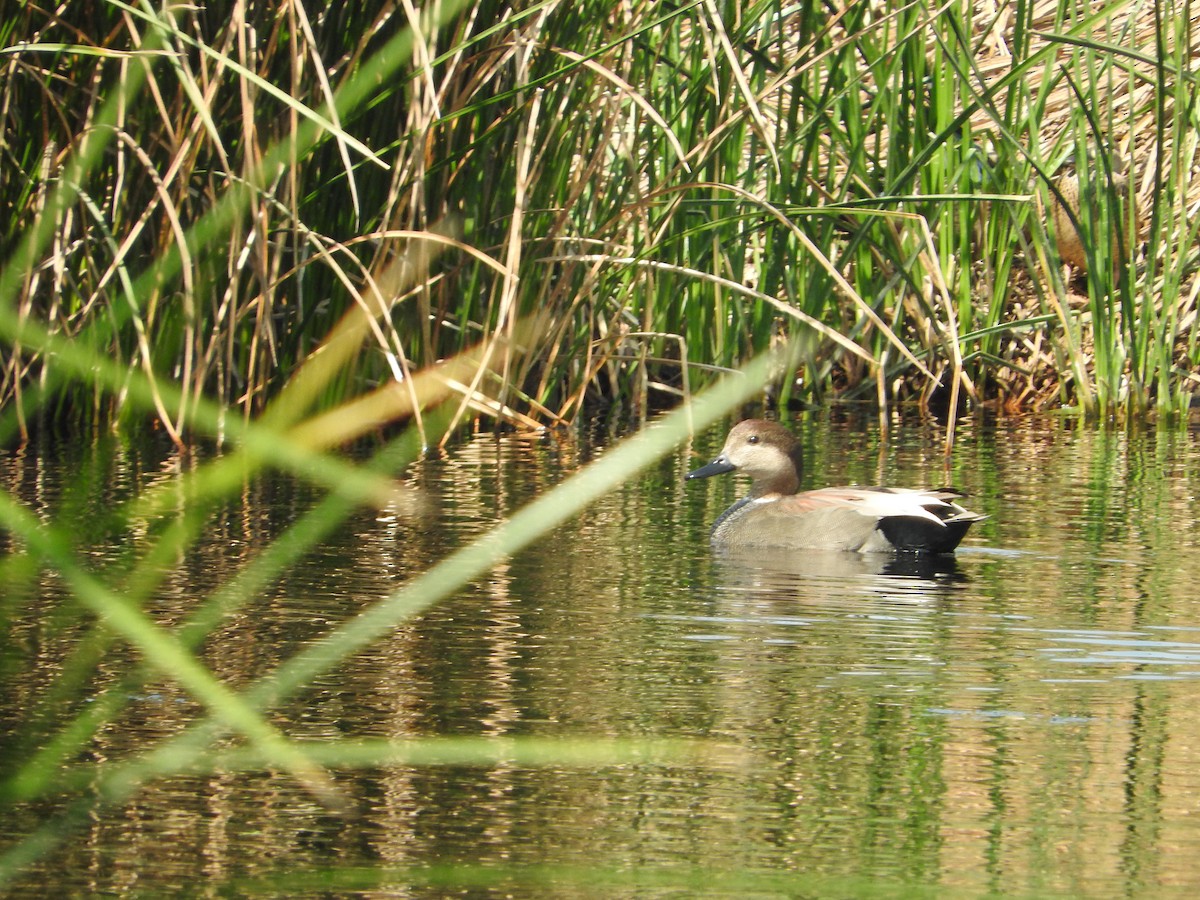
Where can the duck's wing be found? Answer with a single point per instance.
(928, 521)
(876, 502)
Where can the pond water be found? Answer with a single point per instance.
(1020, 720)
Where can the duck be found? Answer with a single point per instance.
(855, 519)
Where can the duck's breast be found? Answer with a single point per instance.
(815, 521)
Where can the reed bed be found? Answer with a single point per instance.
(651, 194)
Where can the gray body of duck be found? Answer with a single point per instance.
(858, 519)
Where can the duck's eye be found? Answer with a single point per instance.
(753, 439)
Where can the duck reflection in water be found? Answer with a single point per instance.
(856, 519)
(934, 570)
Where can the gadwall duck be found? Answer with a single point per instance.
(865, 520)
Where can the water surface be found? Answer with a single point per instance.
(1018, 720)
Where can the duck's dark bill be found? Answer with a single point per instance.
(718, 466)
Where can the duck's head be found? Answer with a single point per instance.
(766, 451)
